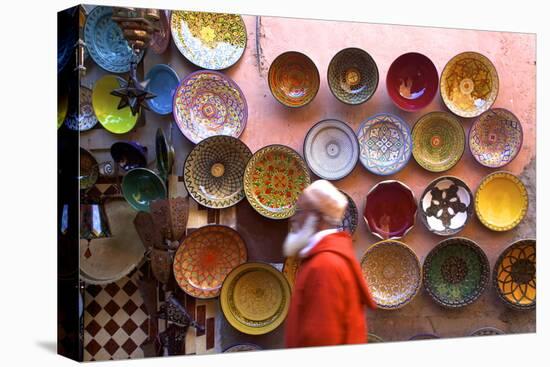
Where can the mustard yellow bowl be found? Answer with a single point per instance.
(501, 201)
(106, 106)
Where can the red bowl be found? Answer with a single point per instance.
(390, 210)
(412, 81)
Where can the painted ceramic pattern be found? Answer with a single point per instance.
(385, 144)
(274, 178)
(487, 331)
(351, 216)
(208, 103)
(209, 40)
(246, 347)
(496, 138)
(161, 38)
(86, 119)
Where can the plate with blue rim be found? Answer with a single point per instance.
(162, 81)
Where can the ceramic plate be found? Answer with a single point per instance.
(393, 273)
(161, 38)
(372, 338)
(214, 169)
(495, 138)
(62, 107)
(129, 154)
(85, 119)
(89, 170)
(164, 154)
(456, 272)
(424, 337)
(140, 186)
(501, 201)
(246, 347)
(331, 149)
(208, 103)
(255, 298)
(273, 179)
(209, 40)
(469, 84)
(350, 220)
(446, 205)
(162, 82)
(385, 144)
(290, 268)
(106, 43)
(515, 275)
(487, 331)
(205, 257)
(106, 109)
(438, 141)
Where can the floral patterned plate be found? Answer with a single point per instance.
(273, 179)
(85, 119)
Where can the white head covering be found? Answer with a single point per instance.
(328, 200)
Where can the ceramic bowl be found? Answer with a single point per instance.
(487, 331)
(162, 82)
(456, 272)
(89, 170)
(350, 219)
(212, 41)
(501, 201)
(390, 210)
(446, 205)
(438, 141)
(293, 79)
(352, 76)
(469, 84)
(129, 154)
(495, 138)
(214, 169)
(393, 273)
(385, 144)
(515, 275)
(165, 154)
(140, 186)
(412, 81)
(106, 106)
(208, 103)
(161, 38)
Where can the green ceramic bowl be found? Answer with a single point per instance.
(141, 186)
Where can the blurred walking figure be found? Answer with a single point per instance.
(330, 293)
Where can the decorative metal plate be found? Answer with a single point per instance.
(85, 119)
(351, 216)
(161, 38)
(246, 347)
(141, 186)
(162, 82)
(105, 106)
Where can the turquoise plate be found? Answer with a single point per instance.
(162, 82)
(141, 186)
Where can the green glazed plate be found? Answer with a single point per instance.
(141, 186)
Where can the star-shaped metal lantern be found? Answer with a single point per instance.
(132, 93)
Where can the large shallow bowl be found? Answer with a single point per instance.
(114, 120)
(89, 170)
(273, 179)
(456, 272)
(140, 186)
(331, 149)
(165, 154)
(438, 141)
(446, 205)
(255, 298)
(515, 275)
(161, 38)
(412, 81)
(390, 210)
(385, 144)
(352, 76)
(501, 201)
(162, 82)
(351, 216)
(393, 273)
(105, 41)
(293, 79)
(208, 103)
(209, 40)
(495, 138)
(129, 154)
(213, 171)
(469, 84)
(205, 257)
(85, 118)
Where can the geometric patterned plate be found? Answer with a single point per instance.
(495, 138)
(85, 119)
(205, 257)
(351, 215)
(213, 171)
(385, 144)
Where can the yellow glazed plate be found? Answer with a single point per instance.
(255, 298)
(501, 201)
(62, 107)
(106, 106)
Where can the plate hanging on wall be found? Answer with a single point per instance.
(85, 119)
(162, 81)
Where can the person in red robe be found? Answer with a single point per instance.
(330, 294)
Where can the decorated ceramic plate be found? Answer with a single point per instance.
(390, 210)
(350, 220)
(290, 268)
(85, 119)
(456, 272)
(129, 154)
(469, 84)
(515, 275)
(106, 43)
(385, 144)
(214, 169)
(161, 38)
(246, 347)
(446, 205)
(501, 201)
(273, 179)
(352, 76)
(164, 154)
(293, 79)
(205, 257)
(424, 337)
(62, 107)
(495, 138)
(438, 141)
(106, 109)
(208, 103)
(89, 170)
(255, 298)
(373, 338)
(140, 186)
(331, 150)
(487, 331)
(209, 40)
(393, 272)
(162, 82)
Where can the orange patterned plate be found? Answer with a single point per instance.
(205, 257)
